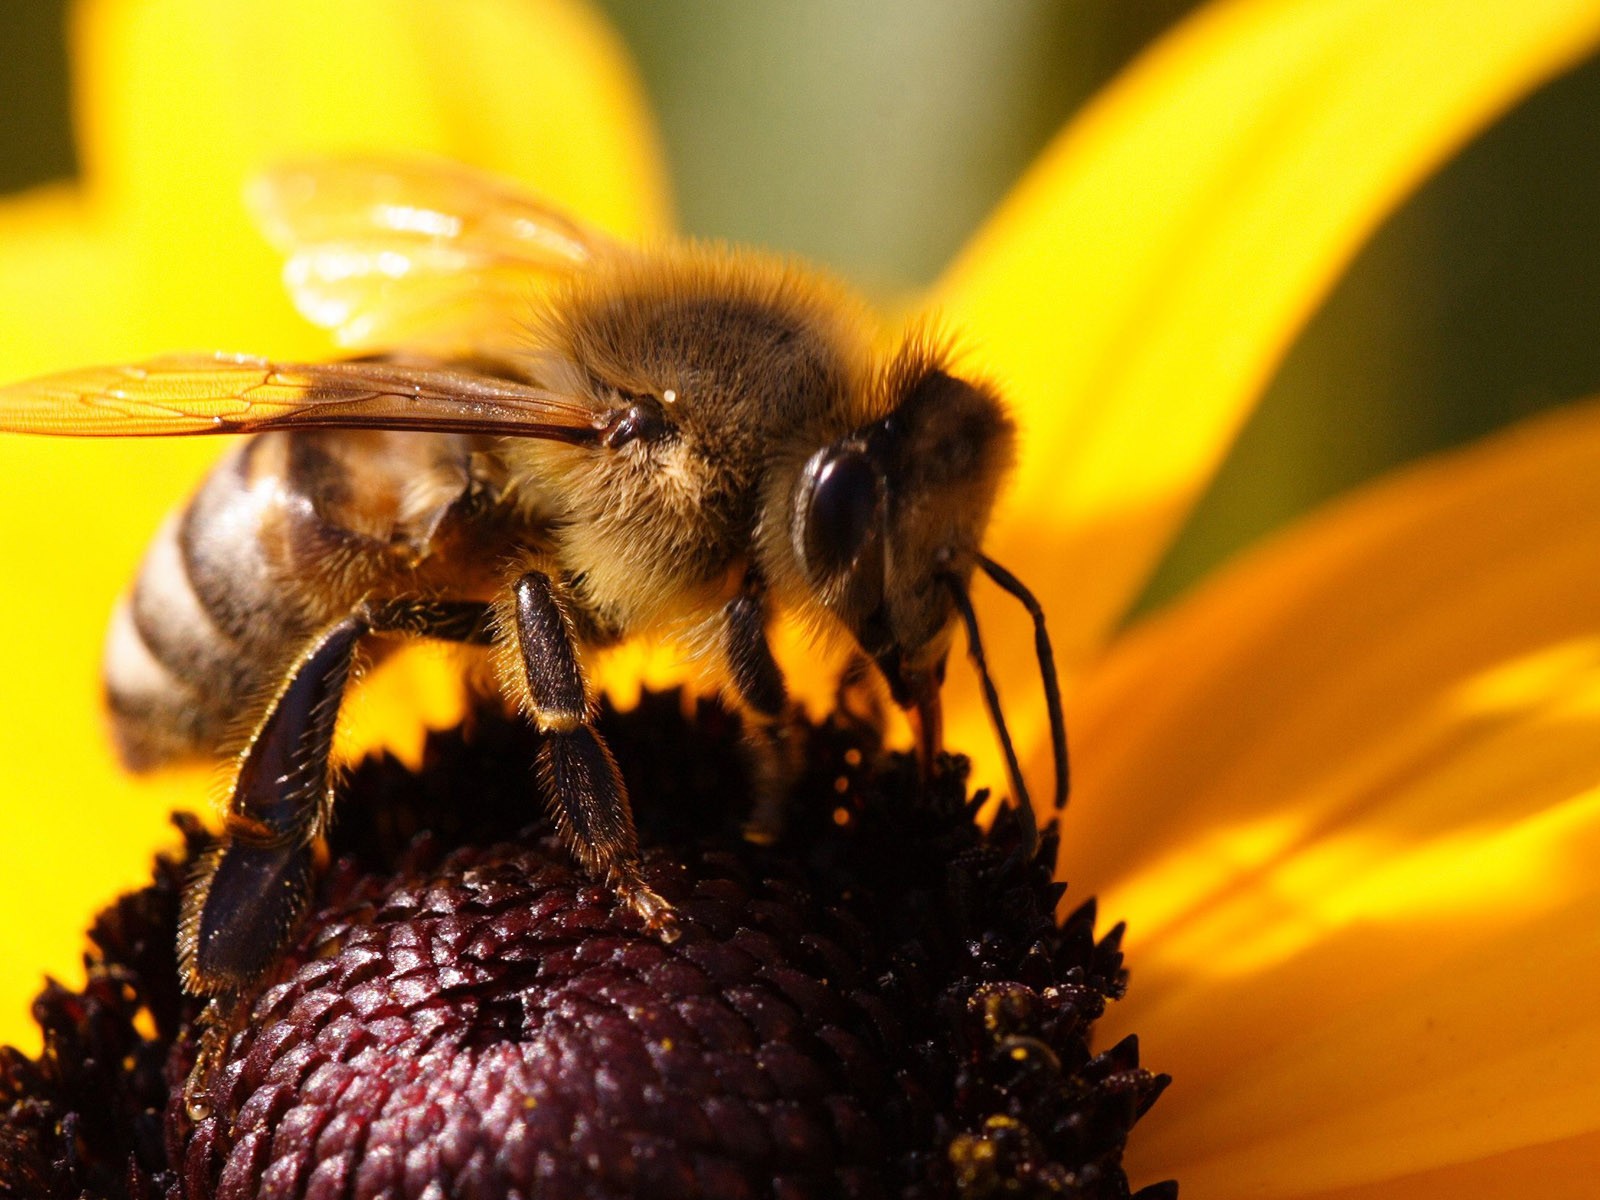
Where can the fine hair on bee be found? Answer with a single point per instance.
(684, 441)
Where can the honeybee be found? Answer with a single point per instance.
(566, 443)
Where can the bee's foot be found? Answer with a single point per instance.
(196, 1100)
(658, 916)
(213, 1041)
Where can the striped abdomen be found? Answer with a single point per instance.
(288, 533)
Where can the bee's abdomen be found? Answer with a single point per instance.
(206, 627)
(291, 531)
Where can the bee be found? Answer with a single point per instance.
(564, 442)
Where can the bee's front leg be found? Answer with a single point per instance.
(758, 685)
(587, 796)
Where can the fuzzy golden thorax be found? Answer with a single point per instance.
(749, 432)
(721, 369)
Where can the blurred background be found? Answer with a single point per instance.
(873, 138)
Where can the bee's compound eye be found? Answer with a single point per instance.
(637, 421)
(842, 510)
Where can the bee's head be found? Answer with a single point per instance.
(883, 519)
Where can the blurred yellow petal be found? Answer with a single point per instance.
(1136, 291)
(536, 90)
(58, 269)
(1561, 1170)
(1491, 1052)
(1348, 798)
(179, 103)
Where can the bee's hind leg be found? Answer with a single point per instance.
(587, 796)
(251, 889)
(249, 892)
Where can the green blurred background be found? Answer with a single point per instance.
(873, 137)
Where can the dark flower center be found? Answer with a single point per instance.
(882, 1004)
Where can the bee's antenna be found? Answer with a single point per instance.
(1047, 672)
(991, 701)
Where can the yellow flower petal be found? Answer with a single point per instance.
(1136, 291)
(1561, 1170)
(1491, 1052)
(1347, 799)
(535, 90)
(179, 103)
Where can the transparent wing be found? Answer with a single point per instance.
(416, 252)
(193, 394)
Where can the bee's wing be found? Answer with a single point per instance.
(190, 394)
(416, 252)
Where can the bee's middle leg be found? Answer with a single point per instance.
(251, 890)
(587, 796)
(772, 748)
